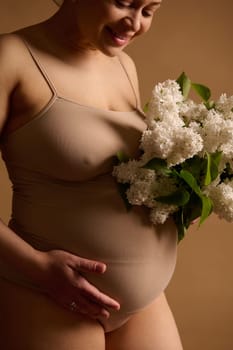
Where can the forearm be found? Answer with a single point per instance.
(18, 254)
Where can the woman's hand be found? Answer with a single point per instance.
(61, 279)
(57, 273)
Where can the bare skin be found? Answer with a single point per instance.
(153, 328)
(23, 93)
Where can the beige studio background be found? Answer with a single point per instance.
(194, 36)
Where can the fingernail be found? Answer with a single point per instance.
(118, 307)
(105, 313)
(100, 268)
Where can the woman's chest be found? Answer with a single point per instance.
(107, 89)
(74, 142)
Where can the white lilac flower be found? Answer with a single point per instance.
(126, 172)
(144, 191)
(173, 144)
(139, 192)
(160, 212)
(211, 131)
(186, 144)
(165, 99)
(170, 119)
(225, 105)
(173, 121)
(178, 129)
(191, 111)
(158, 142)
(227, 140)
(196, 127)
(217, 134)
(132, 171)
(222, 197)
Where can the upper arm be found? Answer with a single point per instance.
(132, 72)
(9, 74)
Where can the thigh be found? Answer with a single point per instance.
(30, 321)
(153, 328)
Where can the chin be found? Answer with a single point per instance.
(111, 52)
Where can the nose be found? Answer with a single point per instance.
(133, 21)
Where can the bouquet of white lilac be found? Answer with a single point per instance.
(186, 163)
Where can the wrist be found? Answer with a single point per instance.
(36, 267)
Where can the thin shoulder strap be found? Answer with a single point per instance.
(133, 88)
(41, 68)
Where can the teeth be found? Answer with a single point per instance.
(118, 36)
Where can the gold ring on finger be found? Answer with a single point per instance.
(73, 306)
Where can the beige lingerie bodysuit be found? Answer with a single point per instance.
(65, 197)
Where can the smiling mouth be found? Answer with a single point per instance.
(118, 38)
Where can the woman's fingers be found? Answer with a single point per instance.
(82, 264)
(85, 306)
(97, 296)
(64, 283)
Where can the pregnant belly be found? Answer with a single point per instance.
(90, 220)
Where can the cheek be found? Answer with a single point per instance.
(145, 27)
(149, 24)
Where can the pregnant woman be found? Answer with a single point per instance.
(77, 271)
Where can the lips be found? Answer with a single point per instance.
(119, 38)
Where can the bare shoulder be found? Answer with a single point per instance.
(12, 63)
(131, 69)
(9, 42)
(11, 58)
(129, 65)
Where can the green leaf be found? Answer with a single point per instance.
(122, 157)
(155, 164)
(158, 164)
(179, 221)
(179, 198)
(191, 181)
(202, 90)
(175, 174)
(212, 164)
(185, 84)
(194, 166)
(192, 210)
(145, 108)
(209, 104)
(216, 157)
(207, 207)
(208, 178)
(122, 190)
